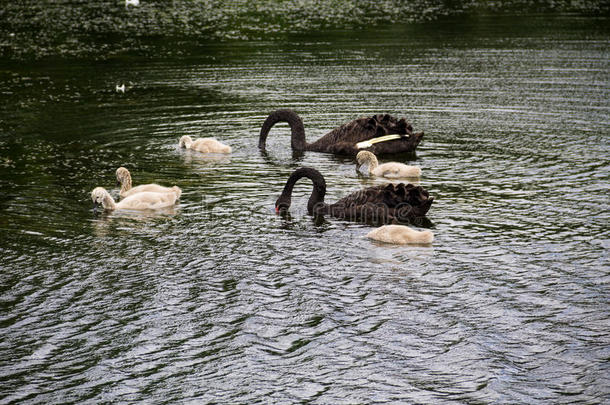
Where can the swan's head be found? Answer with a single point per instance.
(364, 157)
(282, 204)
(185, 142)
(122, 175)
(98, 195)
(177, 191)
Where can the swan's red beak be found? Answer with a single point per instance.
(277, 209)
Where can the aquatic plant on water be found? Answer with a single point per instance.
(82, 28)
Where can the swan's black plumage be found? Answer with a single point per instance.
(389, 203)
(343, 140)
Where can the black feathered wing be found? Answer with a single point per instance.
(384, 204)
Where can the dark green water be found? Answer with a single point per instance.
(220, 300)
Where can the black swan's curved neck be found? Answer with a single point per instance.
(296, 126)
(316, 200)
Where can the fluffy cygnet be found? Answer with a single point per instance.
(392, 170)
(400, 235)
(123, 177)
(146, 200)
(205, 145)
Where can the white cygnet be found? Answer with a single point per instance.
(123, 177)
(146, 200)
(205, 145)
(391, 170)
(400, 235)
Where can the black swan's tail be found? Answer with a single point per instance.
(296, 126)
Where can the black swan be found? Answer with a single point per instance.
(389, 203)
(350, 138)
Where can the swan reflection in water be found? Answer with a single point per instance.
(402, 259)
(292, 221)
(109, 223)
(282, 158)
(205, 159)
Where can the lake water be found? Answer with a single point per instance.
(220, 300)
